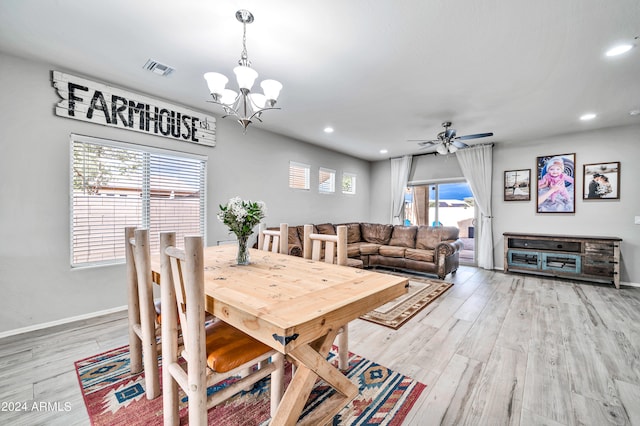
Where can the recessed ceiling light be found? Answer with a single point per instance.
(587, 117)
(328, 129)
(383, 151)
(619, 49)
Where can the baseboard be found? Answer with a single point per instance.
(61, 321)
(624, 283)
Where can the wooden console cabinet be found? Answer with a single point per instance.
(576, 257)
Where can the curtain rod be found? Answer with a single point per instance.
(435, 153)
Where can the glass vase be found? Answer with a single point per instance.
(242, 257)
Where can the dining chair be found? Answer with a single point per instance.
(143, 327)
(276, 241)
(330, 249)
(213, 353)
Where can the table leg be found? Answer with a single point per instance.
(312, 363)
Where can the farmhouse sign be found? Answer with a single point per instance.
(86, 100)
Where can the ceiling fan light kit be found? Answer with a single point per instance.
(244, 105)
(447, 142)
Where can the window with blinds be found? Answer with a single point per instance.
(348, 183)
(299, 175)
(327, 180)
(115, 185)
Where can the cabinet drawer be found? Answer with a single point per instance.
(598, 249)
(602, 270)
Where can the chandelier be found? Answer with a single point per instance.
(245, 105)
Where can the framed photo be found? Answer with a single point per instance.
(556, 186)
(601, 181)
(517, 185)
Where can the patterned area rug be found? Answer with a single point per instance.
(422, 291)
(114, 397)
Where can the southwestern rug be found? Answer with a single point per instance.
(115, 397)
(422, 291)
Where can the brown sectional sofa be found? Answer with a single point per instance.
(433, 250)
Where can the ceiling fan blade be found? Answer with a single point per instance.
(476, 136)
(427, 144)
(450, 133)
(459, 144)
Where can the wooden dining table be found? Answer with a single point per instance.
(296, 306)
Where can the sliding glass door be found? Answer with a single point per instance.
(444, 204)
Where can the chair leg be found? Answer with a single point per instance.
(169, 343)
(343, 348)
(135, 351)
(151, 372)
(277, 381)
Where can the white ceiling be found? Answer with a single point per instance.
(379, 72)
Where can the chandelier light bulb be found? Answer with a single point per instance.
(246, 76)
(271, 89)
(441, 149)
(228, 97)
(216, 82)
(452, 148)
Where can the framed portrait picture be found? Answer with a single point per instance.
(556, 186)
(601, 181)
(517, 185)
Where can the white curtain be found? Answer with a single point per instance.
(400, 168)
(477, 165)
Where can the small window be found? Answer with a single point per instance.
(348, 183)
(299, 175)
(327, 180)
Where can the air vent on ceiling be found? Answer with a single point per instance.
(158, 68)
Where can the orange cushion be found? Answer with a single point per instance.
(228, 347)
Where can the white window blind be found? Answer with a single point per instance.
(348, 183)
(327, 180)
(299, 175)
(116, 185)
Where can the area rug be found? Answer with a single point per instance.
(113, 396)
(422, 291)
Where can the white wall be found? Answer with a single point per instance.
(38, 285)
(592, 217)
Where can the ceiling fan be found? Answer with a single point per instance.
(447, 141)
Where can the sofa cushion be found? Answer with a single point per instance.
(294, 237)
(369, 248)
(391, 251)
(326, 228)
(376, 233)
(403, 236)
(449, 233)
(418, 254)
(353, 250)
(353, 232)
(427, 237)
(355, 263)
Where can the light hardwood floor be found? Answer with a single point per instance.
(496, 349)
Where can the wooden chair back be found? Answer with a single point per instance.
(273, 240)
(330, 248)
(143, 327)
(182, 287)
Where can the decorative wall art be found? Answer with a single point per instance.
(601, 181)
(556, 186)
(517, 185)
